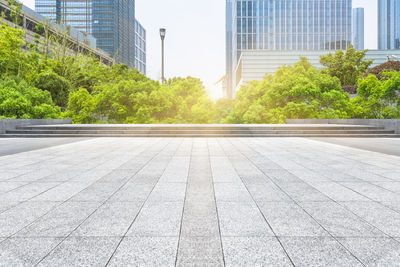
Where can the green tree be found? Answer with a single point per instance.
(298, 91)
(378, 99)
(20, 101)
(58, 87)
(11, 43)
(348, 66)
(81, 107)
(222, 109)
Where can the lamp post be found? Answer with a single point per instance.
(162, 35)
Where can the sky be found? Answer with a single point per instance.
(195, 41)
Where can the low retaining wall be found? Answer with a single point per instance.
(388, 124)
(6, 124)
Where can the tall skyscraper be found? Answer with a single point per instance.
(358, 28)
(388, 24)
(228, 52)
(140, 47)
(285, 25)
(111, 22)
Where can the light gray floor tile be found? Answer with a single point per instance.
(282, 176)
(200, 251)
(82, 251)
(267, 191)
(391, 186)
(61, 221)
(8, 186)
(18, 217)
(241, 219)
(111, 219)
(158, 219)
(376, 214)
(232, 192)
(373, 192)
(200, 220)
(338, 221)
(25, 251)
(62, 192)
(146, 251)
(97, 192)
(338, 192)
(133, 193)
(27, 192)
(317, 251)
(168, 192)
(303, 192)
(176, 171)
(254, 251)
(374, 251)
(7, 205)
(288, 219)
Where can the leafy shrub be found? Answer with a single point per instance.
(20, 101)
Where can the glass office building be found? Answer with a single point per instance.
(388, 24)
(286, 25)
(111, 22)
(358, 29)
(77, 14)
(229, 65)
(140, 47)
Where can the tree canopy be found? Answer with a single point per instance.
(298, 91)
(37, 82)
(348, 66)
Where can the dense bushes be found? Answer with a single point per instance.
(36, 84)
(378, 71)
(298, 91)
(18, 100)
(89, 91)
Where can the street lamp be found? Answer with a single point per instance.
(162, 35)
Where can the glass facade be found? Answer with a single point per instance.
(140, 48)
(358, 29)
(111, 22)
(287, 25)
(76, 13)
(388, 24)
(229, 65)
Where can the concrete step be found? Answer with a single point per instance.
(201, 127)
(365, 135)
(272, 130)
(201, 132)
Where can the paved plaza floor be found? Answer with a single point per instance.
(198, 202)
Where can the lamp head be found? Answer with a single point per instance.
(163, 32)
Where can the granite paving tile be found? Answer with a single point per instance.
(374, 251)
(338, 221)
(318, 251)
(18, 217)
(254, 251)
(200, 251)
(27, 191)
(61, 221)
(146, 251)
(383, 218)
(289, 219)
(373, 192)
(158, 219)
(111, 219)
(82, 251)
(25, 251)
(241, 219)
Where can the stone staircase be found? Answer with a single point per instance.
(266, 130)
